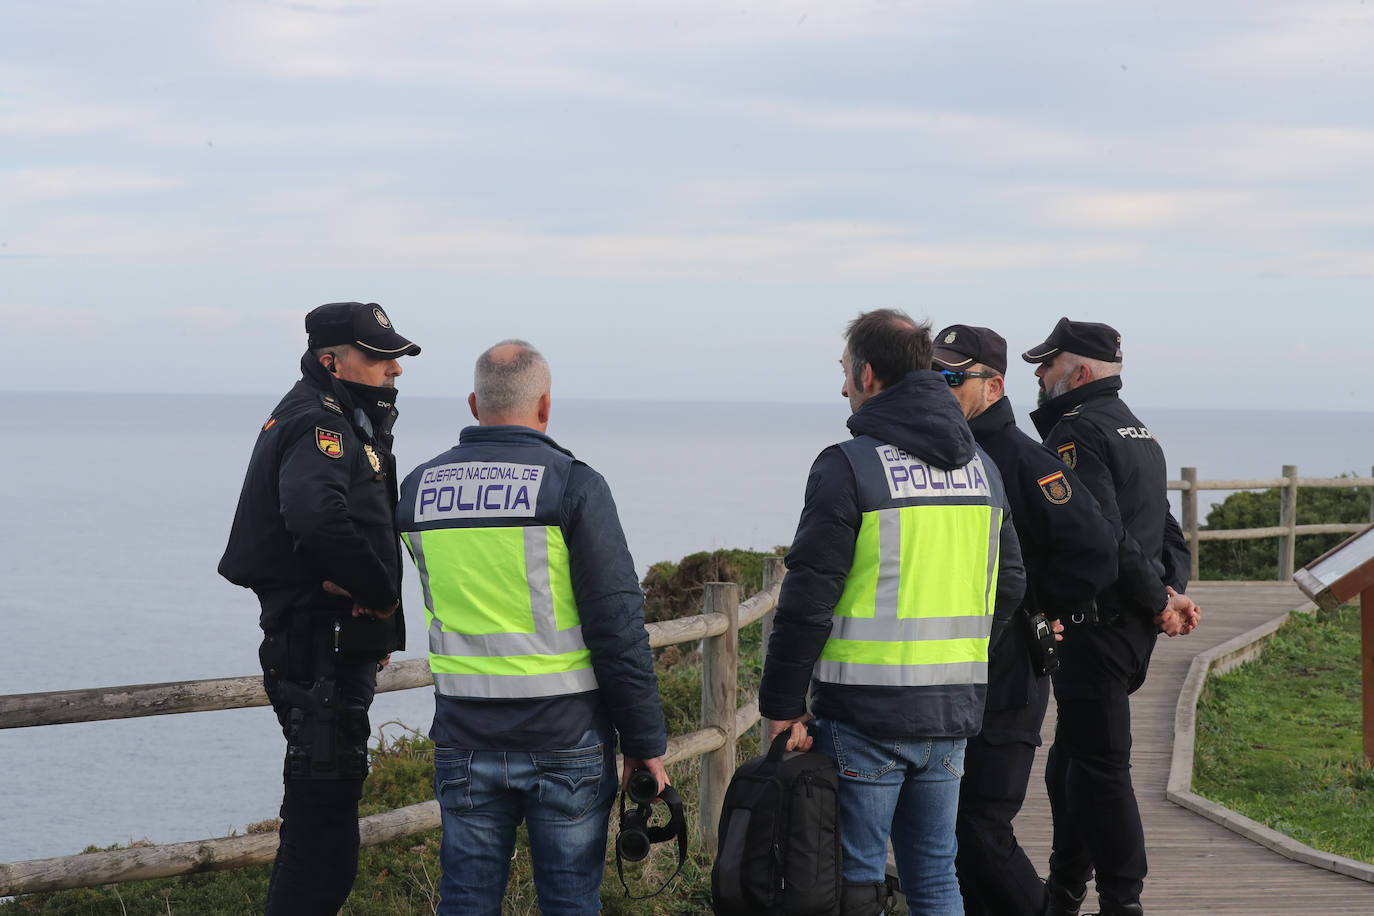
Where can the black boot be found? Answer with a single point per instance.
(1060, 901)
(1122, 909)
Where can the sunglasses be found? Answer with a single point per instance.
(955, 377)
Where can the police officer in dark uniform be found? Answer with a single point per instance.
(314, 537)
(1069, 551)
(1106, 651)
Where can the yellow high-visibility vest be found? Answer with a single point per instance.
(495, 572)
(918, 602)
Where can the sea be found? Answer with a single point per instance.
(114, 509)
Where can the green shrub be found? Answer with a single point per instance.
(1258, 559)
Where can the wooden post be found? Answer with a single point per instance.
(1367, 669)
(1189, 504)
(1288, 518)
(772, 574)
(719, 682)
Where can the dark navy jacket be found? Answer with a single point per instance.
(314, 508)
(920, 415)
(1119, 460)
(610, 605)
(1069, 552)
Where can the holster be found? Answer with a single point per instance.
(326, 736)
(326, 731)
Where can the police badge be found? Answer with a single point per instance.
(330, 442)
(1056, 488)
(372, 458)
(1068, 454)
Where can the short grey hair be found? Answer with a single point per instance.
(504, 386)
(1100, 369)
(340, 352)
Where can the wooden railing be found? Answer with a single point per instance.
(722, 722)
(1287, 530)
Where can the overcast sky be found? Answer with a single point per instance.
(688, 200)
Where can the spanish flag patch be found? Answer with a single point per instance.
(330, 442)
(1056, 488)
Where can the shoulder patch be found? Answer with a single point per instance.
(271, 422)
(1056, 488)
(1068, 453)
(330, 442)
(331, 403)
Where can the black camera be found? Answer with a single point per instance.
(632, 843)
(637, 835)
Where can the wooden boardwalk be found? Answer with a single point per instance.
(1196, 866)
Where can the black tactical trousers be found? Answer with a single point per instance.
(996, 877)
(1097, 827)
(322, 707)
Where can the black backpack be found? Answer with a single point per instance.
(779, 852)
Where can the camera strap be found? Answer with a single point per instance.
(676, 826)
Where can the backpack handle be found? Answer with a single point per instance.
(779, 747)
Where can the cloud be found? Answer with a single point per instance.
(1311, 37)
(65, 119)
(210, 318)
(25, 316)
(1134, 210)
(79, 181)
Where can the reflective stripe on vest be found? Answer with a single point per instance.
(917, 604)
(503, 622)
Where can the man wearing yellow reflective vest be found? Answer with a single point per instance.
(904, 566)
(537, 644)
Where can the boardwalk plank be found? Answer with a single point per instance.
(1196, 866)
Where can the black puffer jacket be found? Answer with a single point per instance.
(318, 503)
(920, 416)
(1119, 460)
(1068, 548)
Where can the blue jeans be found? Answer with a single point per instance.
(565, 798)
(907, 788)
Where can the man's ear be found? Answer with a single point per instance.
(472, 406)
(867, 380)
(996, 388)
(545, 402)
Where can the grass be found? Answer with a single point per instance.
(1279, 739)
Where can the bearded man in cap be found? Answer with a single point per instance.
(314, 537)
(1069, 551)
(1106, 650)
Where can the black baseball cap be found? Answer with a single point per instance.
(362, 324)
(1085, 338)
(959, 346)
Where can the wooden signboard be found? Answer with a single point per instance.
(1335, 577)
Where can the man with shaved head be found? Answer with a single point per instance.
(537, 644)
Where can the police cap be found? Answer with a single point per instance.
(1085, 338)
(959, 346)
(362, 324)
